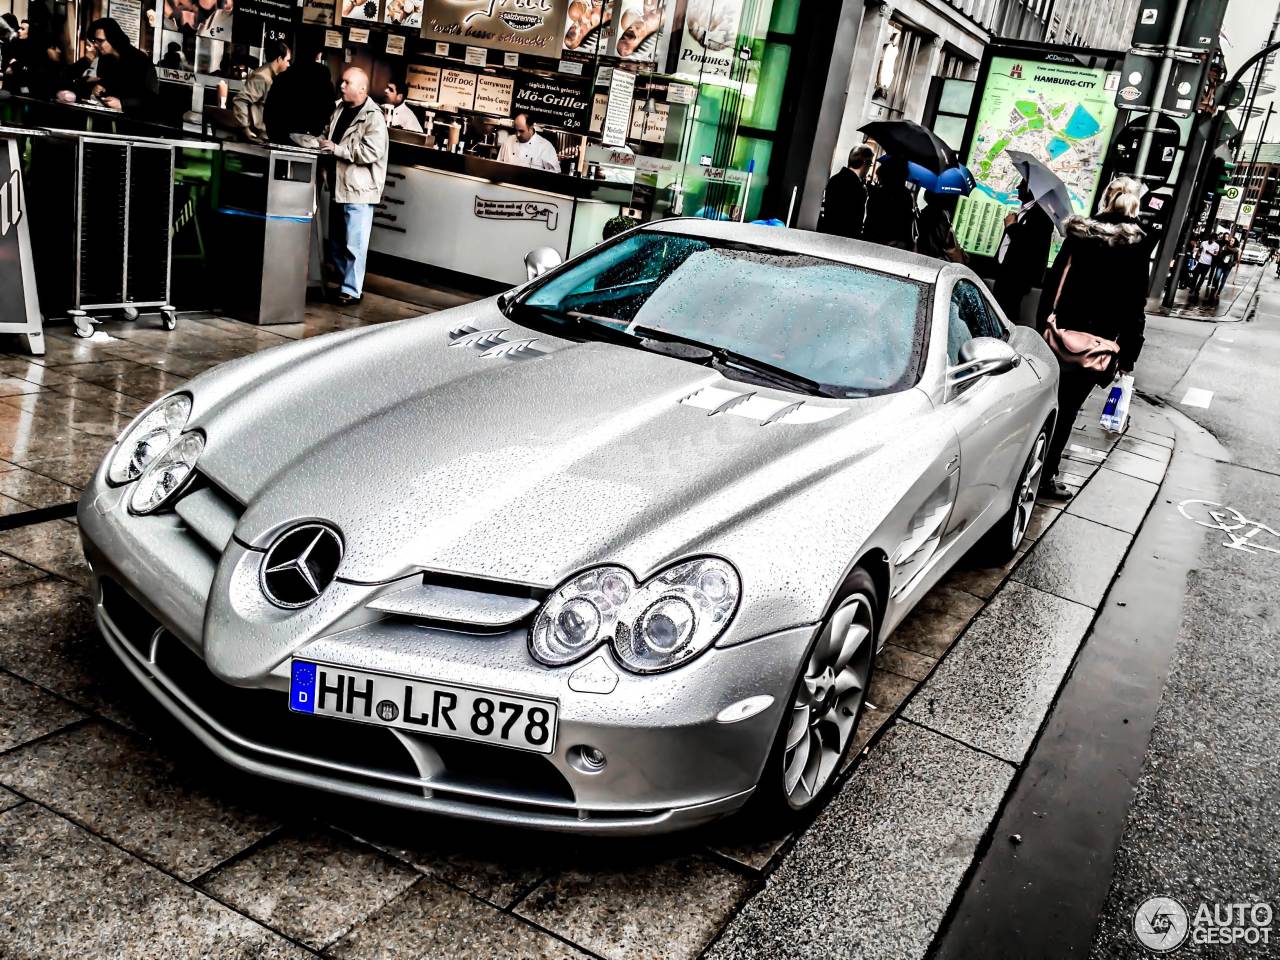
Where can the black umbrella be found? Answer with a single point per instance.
(907, 140)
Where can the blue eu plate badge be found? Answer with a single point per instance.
(302, 688)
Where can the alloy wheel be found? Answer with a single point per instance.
(828, 701)
(1026, 497)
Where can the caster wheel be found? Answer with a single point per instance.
(84, 326)
(131, 313)
(170, 319)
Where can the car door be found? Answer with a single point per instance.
(987, 414)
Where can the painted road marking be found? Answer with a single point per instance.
(1215, 516)
(1198, 397)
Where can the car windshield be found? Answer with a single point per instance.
(851, 330)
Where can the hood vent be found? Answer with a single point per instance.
(493, 343)
(752, 406)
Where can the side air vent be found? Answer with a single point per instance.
(752, 406)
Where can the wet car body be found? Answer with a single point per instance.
(470, 466)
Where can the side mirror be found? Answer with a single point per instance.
(537, 262)
(980, 357)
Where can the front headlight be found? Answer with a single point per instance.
(653, 626)
(148, 437)
(167, 475)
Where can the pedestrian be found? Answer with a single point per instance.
(526, 147)
(1023, 255)
(250, 103)
(891, 207)
(357, 138)
(1098, 285)
(844, 204)
(1205, 256)
(301, 99)
(1223, 264)
(937, 238)
(126, 77)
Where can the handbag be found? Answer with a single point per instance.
(1077, 348)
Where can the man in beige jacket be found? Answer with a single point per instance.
(251, 99)
(357, 138)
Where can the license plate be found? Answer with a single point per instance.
(444, 709)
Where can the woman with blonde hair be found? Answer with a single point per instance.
(1097, 285)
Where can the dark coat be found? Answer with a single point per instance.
(844, 205)
(936, 233)
(1028, 254)
(1105, 292)
(300, 101)
(891, 217)
(131, 77)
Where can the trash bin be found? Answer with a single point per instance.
(266, 201)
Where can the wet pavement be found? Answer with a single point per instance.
(118, 835)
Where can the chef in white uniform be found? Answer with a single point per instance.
(526, 148)
(398, 114)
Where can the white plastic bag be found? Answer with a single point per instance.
(1115, 413)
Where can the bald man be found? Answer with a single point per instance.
(358, 139)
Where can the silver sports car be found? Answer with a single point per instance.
(612, 552)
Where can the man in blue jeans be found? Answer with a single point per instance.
(357, 138)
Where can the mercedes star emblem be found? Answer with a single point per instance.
(301, 564)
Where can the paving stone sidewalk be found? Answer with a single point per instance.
(119, 838)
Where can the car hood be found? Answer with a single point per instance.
(467, 444)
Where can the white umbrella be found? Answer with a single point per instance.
(1046, 189)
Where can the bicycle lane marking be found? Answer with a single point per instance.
(1230, 520)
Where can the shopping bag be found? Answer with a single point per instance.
(1115, 413)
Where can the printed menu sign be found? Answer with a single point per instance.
(562, 102)
(457, 90)
(423, 84)
(617, 117)
(521, 26)
(651, 128)
(707, 39)
(494, 95)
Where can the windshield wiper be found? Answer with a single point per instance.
(731, 358)
(587, 325)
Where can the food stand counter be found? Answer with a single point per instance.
(479, 218)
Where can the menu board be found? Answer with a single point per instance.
(369, 10)
(563, 102)
(494, 95)
(457, 90)
(707, 38)
(422, 84)
(403, 13)
(321, 12)
(622, 86)
(651, 128)
(599, 106)
(641, 29)
(517, 25)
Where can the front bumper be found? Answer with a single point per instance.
(670, 763)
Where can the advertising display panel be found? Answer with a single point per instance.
(517, 25)
(1061, 113)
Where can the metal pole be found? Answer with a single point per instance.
(1248, 172)
(1162, 81)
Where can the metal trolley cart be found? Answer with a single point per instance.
(19, 308)
(105, 205)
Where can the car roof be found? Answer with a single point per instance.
(858, 253)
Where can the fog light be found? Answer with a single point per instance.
(587, 759)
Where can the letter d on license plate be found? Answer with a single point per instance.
(424, 706)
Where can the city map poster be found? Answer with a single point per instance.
(1059, 113)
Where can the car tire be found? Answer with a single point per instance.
(1000, 544)
(821, 718)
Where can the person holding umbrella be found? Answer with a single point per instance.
(1023, 254)
(891, 207)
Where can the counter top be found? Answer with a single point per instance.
(406, 153)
